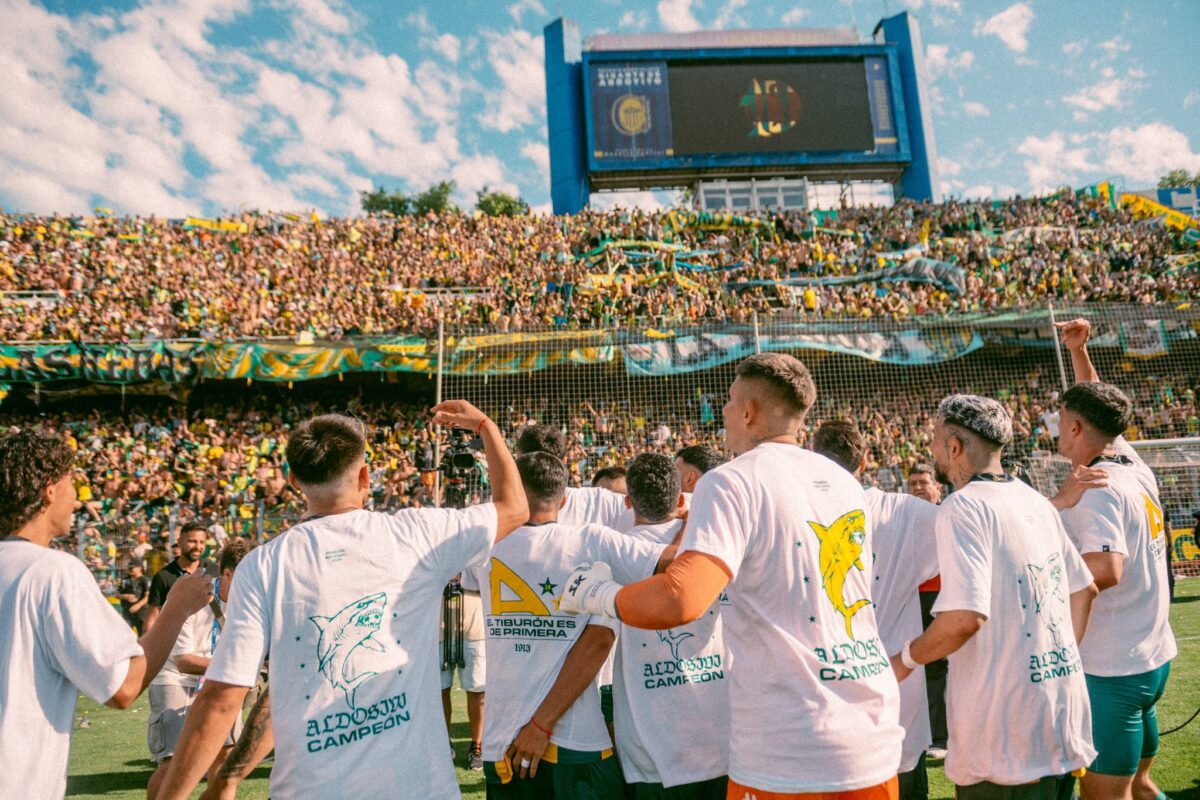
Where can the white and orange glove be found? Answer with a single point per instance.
(590, 589)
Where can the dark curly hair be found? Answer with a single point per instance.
(29, 463)
(653, 486)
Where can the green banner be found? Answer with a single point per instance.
(169, 362)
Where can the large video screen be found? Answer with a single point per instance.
(770, 107)
(662, 110)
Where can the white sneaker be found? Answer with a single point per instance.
(936, 753)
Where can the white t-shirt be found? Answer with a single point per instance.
(814, 705)
(1016, 701)
(195, 638)
(671, 694)
(345, 606)
(528, 638)
(593, 505)
(905, 549)
(1130, 631)
(58, 637)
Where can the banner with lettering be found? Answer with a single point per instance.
(705, 351)
(169, 362)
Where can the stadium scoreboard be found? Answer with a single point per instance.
(654, 110)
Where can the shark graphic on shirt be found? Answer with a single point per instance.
(841, 549)
(341, 635)
(1049, 603)
(673, 639)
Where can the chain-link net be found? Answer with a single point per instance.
(618, 392)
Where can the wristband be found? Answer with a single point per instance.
(479, 427)
(906, 656)
(540, 728)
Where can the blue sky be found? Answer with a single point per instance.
(206, 106)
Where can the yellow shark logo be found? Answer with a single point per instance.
(841, 549)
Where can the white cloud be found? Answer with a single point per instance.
(1192, 98)
(1115, 46)
(728, 16)
(1140, 154)
(634, 19)
(447, 45)
(518, 9)
(948, 167)
(980, 191)
(647, 201)
(1146, 153)
(473, 173)
(976, 109)
(1074, 48)
(939, 61)
(516, 57)
(794, 16)
(302, 119)
(1010, 26)
(539, 154)
(419, 21)
(1109, 92)
(948, 5)
(677, 16)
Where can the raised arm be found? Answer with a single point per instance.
(507, 493)
(189, 594)
(1075, 335)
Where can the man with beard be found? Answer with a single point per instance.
(1014, 604)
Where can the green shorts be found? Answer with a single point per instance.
(1124, 720)
(714, 789)
(562, 773)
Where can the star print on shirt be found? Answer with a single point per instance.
(548, 587)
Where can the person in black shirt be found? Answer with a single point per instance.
(133, 593)
(192, 542)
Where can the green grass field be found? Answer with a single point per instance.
(108, 759)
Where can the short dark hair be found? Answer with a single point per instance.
(607, 474)
(30, 462)
(234, 551)
(701, 457)
(787, 378)
(653, 485)
(193, 526)
(323, 448)
(1104, 406)
(922, 469)
(544, 478)
(840, 441)
(542, 439)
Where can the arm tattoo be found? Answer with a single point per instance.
(240, 761)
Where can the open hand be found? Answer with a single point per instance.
(1078, 481)
(458, 414)
(526, 751)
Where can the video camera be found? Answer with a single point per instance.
(461, 467)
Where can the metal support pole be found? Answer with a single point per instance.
(437, 432)
(1062, 370)
(757, 338)
(172, 523)
(260, 520)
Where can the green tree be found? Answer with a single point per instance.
(499, 204)
(383, 200)
(436, 199)
(1178, 179)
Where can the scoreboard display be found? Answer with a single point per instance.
(671, 113)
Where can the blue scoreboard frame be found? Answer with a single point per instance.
(576, 164)
(894, 148)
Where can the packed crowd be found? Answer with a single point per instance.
(119, 279)
(222, 461)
